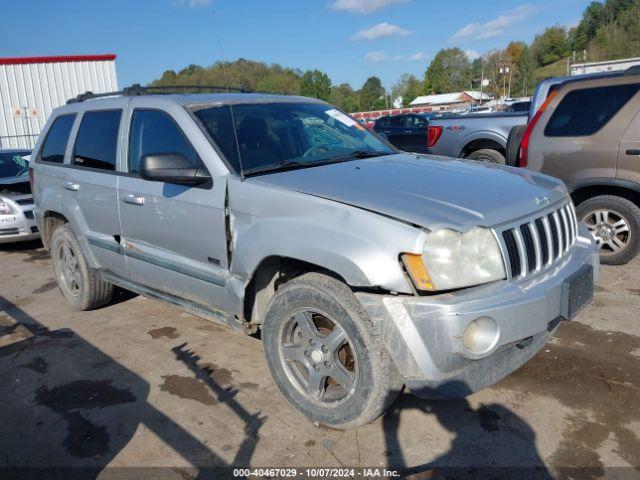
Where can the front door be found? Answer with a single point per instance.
(174, 236)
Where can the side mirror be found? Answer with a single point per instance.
(171, 168)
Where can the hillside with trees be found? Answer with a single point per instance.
(608, 30)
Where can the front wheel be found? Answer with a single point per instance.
(615, 224)
(324, 355)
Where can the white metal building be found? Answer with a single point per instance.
(451, 101)
(601, 67)
(31, 87)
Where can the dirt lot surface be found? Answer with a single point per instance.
(140, 383)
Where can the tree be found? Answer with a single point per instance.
(315, 83)
(449, 71)
(408, 87)
(551, 46)
(344, 97)
(370, 92)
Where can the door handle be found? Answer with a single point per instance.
(133, 199)
(408, 131)
(635, 152)
(74, 187)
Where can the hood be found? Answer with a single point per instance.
(433, 192)
(14, 185)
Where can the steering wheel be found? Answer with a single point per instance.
(315, 150)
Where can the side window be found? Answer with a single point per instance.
(415, 121)
(97, 140)
(154, 132)
(396, 122)
(584, 112)
(55, 143)
(383, 122)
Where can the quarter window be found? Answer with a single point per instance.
(584, 112)
(56, 142)
(97, 140)
(154, 132)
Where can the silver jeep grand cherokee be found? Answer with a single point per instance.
(363, 269)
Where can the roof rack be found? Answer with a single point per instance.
(137, 89)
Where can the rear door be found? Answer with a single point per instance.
(629, 150)
(91, 186)
(415, 134)
(174, 236)
(395, 131)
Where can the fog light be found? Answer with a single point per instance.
(481, 335)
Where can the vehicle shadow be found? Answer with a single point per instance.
(69, 409)
(490, 442)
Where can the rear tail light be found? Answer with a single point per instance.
(433, 135)
(32, 178)
(524, 146)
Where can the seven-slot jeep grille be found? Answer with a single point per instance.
(536, 244)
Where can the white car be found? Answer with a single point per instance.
(17, 222)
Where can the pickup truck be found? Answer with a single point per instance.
(480, 136)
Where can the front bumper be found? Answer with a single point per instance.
(19, 227)
(423, 335)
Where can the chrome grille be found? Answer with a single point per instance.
(537, 244)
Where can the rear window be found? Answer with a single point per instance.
(584, 112)
(97, 140)
(56, 142)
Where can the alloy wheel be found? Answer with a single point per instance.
(68, 269)
(610, 229)
(318, 357)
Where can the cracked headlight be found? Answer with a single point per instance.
(453, 260)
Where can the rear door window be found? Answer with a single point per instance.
(397, 122)
(154, 132)
(584, 112)
(55, 143)
(97, 140)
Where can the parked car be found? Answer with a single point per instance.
(520, 106)
(406, 131)
(17, 223)
(362, 268)
(587, 133)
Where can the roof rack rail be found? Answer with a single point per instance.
(137, 89)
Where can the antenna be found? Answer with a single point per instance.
(222, 59)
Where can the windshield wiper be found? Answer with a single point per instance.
(279, 166)
(292, 164)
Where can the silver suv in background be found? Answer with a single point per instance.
(17, 222)
(362, 268)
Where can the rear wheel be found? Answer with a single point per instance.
(81, 286)
(324, 355)
(487, 155)
(615, 224)
(513, 144)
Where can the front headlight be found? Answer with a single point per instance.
(455, 260)
(5, 208)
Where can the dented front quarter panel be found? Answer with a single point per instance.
(361, 246)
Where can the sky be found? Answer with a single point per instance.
(348, 39)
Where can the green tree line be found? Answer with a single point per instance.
(608, 30)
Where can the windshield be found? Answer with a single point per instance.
(12, 164)
(273, 136)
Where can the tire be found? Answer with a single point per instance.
(487, 155)
(514, 140)
(620, 227)
(375, 382)
(81, 286)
